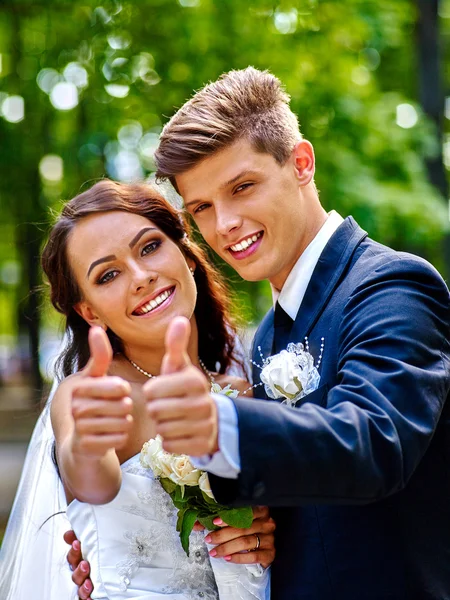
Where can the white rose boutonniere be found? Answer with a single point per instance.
(291, 374)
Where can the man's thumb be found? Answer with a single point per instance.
(176, 357)
(101, 353)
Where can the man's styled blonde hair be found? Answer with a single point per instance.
(248, 104)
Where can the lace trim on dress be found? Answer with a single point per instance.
(191, 576)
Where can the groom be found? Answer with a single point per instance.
(358, 472)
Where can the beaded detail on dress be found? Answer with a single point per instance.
(191, 576)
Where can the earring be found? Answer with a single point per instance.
(191, 270)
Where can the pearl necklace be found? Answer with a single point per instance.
(150, 376)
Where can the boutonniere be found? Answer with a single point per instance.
(291, 374)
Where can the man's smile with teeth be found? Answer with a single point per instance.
(245, 243)
(152, 304)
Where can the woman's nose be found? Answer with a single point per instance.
(142, 277)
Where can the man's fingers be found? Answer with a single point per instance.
(100, 351)
(190, 382)
(176, 357)
(70, 537)
(175, 409)
(81, 574)
(180, 429)
(74, 556)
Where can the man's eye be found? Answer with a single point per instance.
(109, 276)
(200, 208)
(149, 248)
(242, 187)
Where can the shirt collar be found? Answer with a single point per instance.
(293, 291)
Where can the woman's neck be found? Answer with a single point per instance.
(149, 358)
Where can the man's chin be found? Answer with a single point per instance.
(252, 273)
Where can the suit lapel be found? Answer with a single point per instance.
(262, 345)
(329, 270)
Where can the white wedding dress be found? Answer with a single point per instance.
(131, 543)
(134, 549)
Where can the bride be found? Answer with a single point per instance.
(120, 268)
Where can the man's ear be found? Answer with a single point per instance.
(86, 313)
(303, 156)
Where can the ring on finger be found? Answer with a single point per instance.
(258, 543)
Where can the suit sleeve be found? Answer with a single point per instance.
(393, 378)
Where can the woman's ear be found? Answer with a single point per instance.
(191, 264)
(303, 155)
(86, 313)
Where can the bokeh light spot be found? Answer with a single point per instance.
(285, 21)
(13, 109)
(64, 96)
(117, 91)
(406, 116)
(47, 79)
(76, 74)
(51, 168)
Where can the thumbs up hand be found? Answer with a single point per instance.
(101, 406)
(179, 400)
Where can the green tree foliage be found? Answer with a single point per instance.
(97, 83)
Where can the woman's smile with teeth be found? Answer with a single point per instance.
(152, 304)
(245, 243)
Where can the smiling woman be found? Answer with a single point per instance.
(121, 267)
(115, 232)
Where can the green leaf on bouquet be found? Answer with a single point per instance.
(208, 499)
(242, 518)
(180, 518)
(207, 521)
(178, 495)
(187, 523)
(168, 485)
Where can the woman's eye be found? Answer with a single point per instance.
(149, 248)
(109, 276)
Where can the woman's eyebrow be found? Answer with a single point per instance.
(100, 260)
(138, 236)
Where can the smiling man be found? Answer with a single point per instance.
(357, 472)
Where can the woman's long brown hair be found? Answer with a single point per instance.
(216, 328)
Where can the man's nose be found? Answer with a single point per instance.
(227, 220)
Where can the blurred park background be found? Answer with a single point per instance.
(85, 88)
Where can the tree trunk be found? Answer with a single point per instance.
(432, 96)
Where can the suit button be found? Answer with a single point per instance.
(259, 490)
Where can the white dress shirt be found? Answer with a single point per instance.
(226, 462)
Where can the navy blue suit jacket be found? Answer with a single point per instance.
(358, 475)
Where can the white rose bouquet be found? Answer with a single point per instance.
(189, 487)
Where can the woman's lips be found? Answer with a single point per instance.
(160, 301)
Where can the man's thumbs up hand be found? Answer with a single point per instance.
(176, 357)
(179, 400)
(101, 406)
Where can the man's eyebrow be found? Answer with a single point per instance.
(226, 184)
(138, 236)
(237, 177)
(99, 261)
